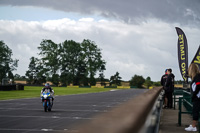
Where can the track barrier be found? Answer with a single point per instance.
(11, 87)
(140, 114)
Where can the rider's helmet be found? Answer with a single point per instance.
(47, 85)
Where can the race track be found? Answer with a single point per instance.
(28, 116)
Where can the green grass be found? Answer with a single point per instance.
(33, 91)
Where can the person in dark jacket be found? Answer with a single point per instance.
(169, 87)
(194, 74)
(164, 78)
(162, 82)
(47, 88)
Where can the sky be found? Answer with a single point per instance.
(136, 36)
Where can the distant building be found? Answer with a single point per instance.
(105, 84)
(125, 83)
(20, 82)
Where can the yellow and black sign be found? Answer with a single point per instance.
(196, 58)
(182, 53)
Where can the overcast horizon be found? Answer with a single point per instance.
(136, 37)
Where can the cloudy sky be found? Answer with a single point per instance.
(136, 36)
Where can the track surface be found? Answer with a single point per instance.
(28, 116)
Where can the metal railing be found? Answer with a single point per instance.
(186, 101)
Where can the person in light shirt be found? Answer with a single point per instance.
(194, 74)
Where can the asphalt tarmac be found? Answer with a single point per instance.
(28, 116)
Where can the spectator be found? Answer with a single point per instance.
(163, 81)
(169, 87)
(194, 74)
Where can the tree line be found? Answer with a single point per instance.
(67, 63)
(7, 64)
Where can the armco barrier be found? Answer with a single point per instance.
(11, 87)
(97, 86)
(7, 87)
(72, 86)
(123, 87)
(129, 117)
(19, 87)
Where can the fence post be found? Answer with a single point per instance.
(180, 110)
(174, 100)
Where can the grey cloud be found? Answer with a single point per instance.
(124, 47)
(130, 11)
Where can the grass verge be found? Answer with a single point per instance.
(33, 91)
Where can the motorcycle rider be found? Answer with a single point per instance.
(47, 88)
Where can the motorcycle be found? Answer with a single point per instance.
(46, 100)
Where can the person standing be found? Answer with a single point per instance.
(169, 87)
(194, 74)
(163, 81)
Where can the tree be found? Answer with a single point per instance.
(71, 59)
(65, 78)
(137, 81)
(101, 75)
(7, 64)
(92, 58)
(157, 83)
(116, 79)
(49, 51)
(148, 82)
(18, 77)
(81, 61)
(55, 79)
(69, 62)
(36, 73)
(82, 73)
(102, 79)
(179, 82)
